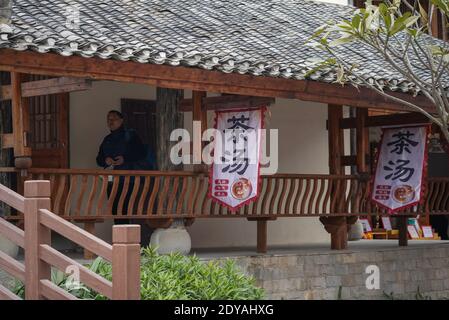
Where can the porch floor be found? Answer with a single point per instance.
(316, 248)
(299, 250)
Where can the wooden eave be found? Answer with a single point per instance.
(202, 80)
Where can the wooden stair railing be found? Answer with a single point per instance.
(124, 253)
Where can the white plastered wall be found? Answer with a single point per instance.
(303, 148)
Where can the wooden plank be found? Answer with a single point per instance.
(12, 266)
(88, 277)
(76, 234)
(53, 292)
(12, 198)
(48, 86)
(6, 294)
(201, 80)
(228, 102)
(386, 120)
(12, 233)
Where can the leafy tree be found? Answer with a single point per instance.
(401, 39)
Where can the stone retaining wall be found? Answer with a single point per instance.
(342, 275)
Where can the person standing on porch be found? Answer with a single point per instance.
(122, 149)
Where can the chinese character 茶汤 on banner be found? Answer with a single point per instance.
(400, 168)
(235, 171)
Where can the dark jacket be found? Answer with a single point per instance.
(121, 142)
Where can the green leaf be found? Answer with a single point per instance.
(356, 21)
(341, 41)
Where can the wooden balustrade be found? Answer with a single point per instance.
(89, 195)
(40, 256)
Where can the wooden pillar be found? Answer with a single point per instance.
(336, 226)
(168, 118)
(21, 122)
(336, 139)
(434, 31)
(199, 114)
(362, 140)
(403, 233)
(6, 154)
(262, 232)
(37, 196)
(126, 262)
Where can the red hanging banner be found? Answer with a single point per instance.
(401, 166)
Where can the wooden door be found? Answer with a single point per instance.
(49, 136)
(140, 115)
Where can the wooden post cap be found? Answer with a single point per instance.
(37, 189)
(126, 234)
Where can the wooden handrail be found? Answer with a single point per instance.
(87, 195)
(12, 266)
(76, 234)
(40, 256)
(12, 233)
(11, 198)
(102, 172)
(52, 292)
(60, 261)
(5, 294)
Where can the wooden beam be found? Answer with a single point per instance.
(386, 120)
(48, 86)
(228, 102)
(20, 117)
(201, 80)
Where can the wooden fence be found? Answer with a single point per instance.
(93, 194)
(35, 273)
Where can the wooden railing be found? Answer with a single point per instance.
(95, 194)
(39, 221)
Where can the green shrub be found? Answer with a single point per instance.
(177, 277)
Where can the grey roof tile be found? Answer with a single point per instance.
(262, 38)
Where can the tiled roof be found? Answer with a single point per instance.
(263, 37)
